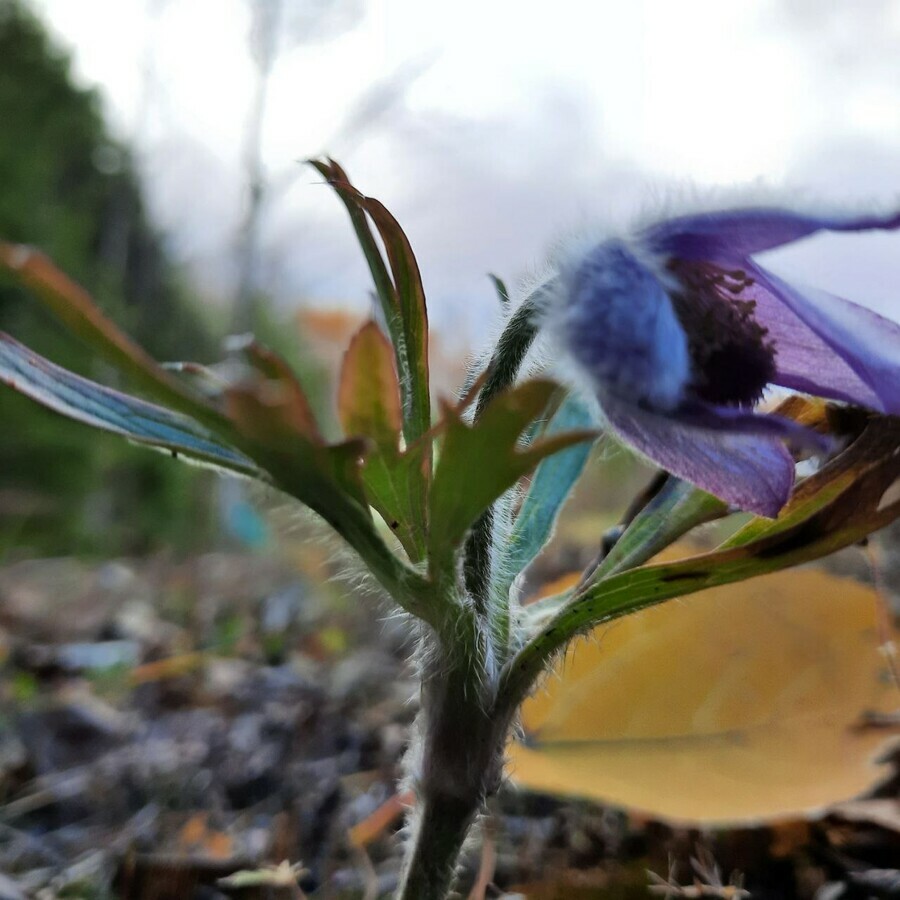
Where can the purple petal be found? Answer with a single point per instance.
(828, 346)
(743, 421)
(752, 471)
(730, 236)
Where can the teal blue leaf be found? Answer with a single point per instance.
(86, 401)
(552, 483)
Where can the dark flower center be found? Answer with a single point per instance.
(731, 358)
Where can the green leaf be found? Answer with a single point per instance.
(267, 418)
(550, 488)
(351, 198)
(401, 294)
(369, 406)
(414, 317)
(500, 287)
(512, 347)
(93, 404)
(675, 510)
(481, 461)
(392, 481)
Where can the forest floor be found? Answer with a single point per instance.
(167, 724)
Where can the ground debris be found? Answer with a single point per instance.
(181, 729)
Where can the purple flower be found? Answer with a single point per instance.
(680, 331)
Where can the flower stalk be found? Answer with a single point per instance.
(441, 831)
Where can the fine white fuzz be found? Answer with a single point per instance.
(686, 199)
(612, 316)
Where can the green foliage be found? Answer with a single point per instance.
(369, 404)
(400, 292)
(481, 462)
(675, 510)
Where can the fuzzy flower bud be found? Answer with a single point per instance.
(678, 330)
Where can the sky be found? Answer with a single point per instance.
(495, 130)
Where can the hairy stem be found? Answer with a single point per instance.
(443, 825)
(503, 369)
(457, 765)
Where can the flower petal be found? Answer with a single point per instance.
(743, 421)
(751, 470)
(728, 237)
(828, 346)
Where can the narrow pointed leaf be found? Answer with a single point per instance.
(351, 197)
(673, 512)
(515, 341)
(501, 289)
(550, 488)
(414, 313)
(93, 404)
(401, 294)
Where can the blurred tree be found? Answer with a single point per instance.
(70, 189)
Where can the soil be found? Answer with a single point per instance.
(167, 724)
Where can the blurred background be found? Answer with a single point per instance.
(154, 149)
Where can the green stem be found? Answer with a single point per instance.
(442, 829)
(503, 369)
(410, 590)
(458, 766)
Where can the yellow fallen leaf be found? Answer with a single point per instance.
(741, 703)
